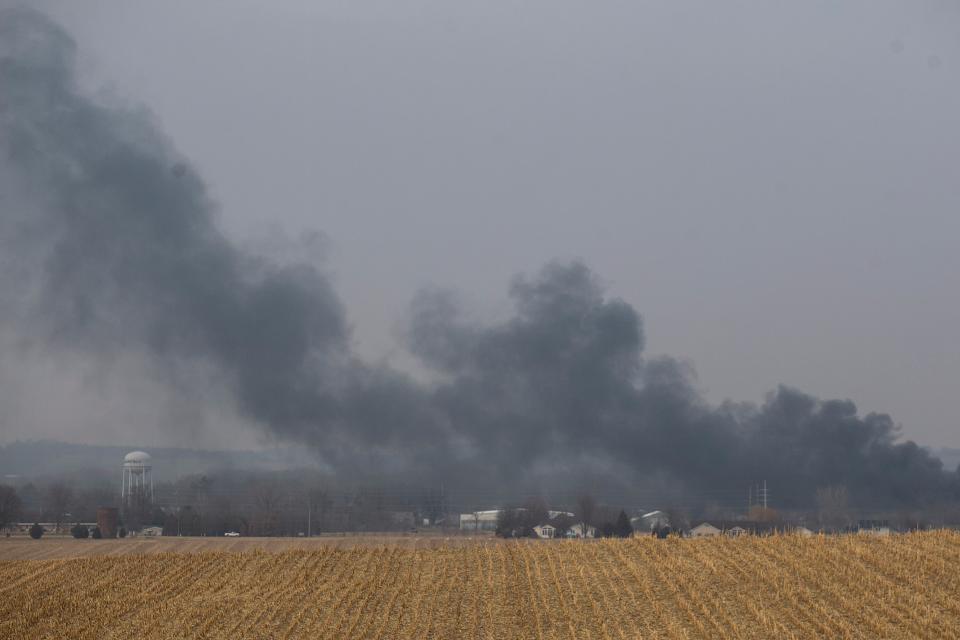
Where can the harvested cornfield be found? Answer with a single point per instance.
(818, 587)
(51, 548)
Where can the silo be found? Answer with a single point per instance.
(107, 520)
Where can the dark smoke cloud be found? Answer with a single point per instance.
(566, 373)
(120, 238)
(110, 243)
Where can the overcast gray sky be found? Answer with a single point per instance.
(773, 185)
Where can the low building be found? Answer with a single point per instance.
(479, 520)
(545, 531)
(151, 531)
(704, 530)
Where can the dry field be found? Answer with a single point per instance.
(52, 548)
(842, 587)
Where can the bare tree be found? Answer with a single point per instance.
(57, 500)
(508, 522)
(536, 511)
(318, 506)
(586, 512)
(833, 509)
(222, 516)
(267, 501)
(10, 506)
(759, 513)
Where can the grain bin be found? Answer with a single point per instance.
(107, 520)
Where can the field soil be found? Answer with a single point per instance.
(779, 587)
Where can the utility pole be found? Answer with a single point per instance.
(758, 497)
(309, 516)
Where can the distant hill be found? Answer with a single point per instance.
(38, 458)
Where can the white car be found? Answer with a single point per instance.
(232, 534)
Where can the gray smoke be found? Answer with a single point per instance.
(566, 375)
(109, 244)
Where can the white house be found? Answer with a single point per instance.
(545, 531)
(803, 531)
(735, 532)
(151, 531)
(576, 531)
(704, 530)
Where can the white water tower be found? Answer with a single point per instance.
(136, 485)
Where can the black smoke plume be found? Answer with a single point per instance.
(109, 242)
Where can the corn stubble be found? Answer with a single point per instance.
(781, 587)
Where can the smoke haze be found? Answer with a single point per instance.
(114, 266)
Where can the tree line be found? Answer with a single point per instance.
(588, 520)
(290, 504)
